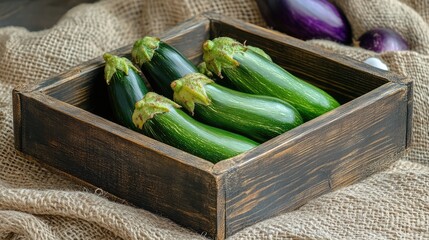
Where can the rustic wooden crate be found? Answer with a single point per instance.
(65, 122)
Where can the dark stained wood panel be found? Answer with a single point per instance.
(338, 152)
(97, 151)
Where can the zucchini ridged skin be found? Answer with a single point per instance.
(258, 76)
(160, 118)
(178, 129)
(254, 116)
(251, 73)
(166, 65)
(124, 91)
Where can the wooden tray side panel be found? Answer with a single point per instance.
(333, 73)
(113, 158)
(17, 131)
(337, 149)
(83, 86)
(187, 37)
(87, 91)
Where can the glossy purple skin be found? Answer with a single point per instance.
(307, 19)
(382, 40)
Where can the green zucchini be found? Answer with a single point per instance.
(202, 68)
(160, 63)
(249, 72)
(255, 116)
(125, 87)
(161, 119)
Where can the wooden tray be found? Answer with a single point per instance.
(65, 122)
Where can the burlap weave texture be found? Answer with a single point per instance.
(38, 204)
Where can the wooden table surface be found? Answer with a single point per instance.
(34, 14)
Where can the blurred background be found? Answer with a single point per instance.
(35, 15)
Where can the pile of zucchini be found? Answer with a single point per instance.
(235, 100)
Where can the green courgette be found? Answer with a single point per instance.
(160, 63)
(125, 87)
(161, 119)
(249, 72)
(202, 68)
(255, 116)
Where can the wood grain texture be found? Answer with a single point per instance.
(338, 149)
(84, 85)
(129, 165)
(184, 37)
(66, 123)
(171, 182)
(17, 119)
(299, 166)
(410, 97)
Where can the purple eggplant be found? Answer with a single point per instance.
(382, 40)
(307, 19)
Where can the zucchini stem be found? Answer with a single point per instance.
(144, 49)
(190, 90)
(219, 54)
(115, 63)
(151, 104)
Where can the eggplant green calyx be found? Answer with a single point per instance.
(219, 53)
(190, 90)
(144, 49)
(150, 105)
(115, 63)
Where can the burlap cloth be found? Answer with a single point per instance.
(37, 204)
